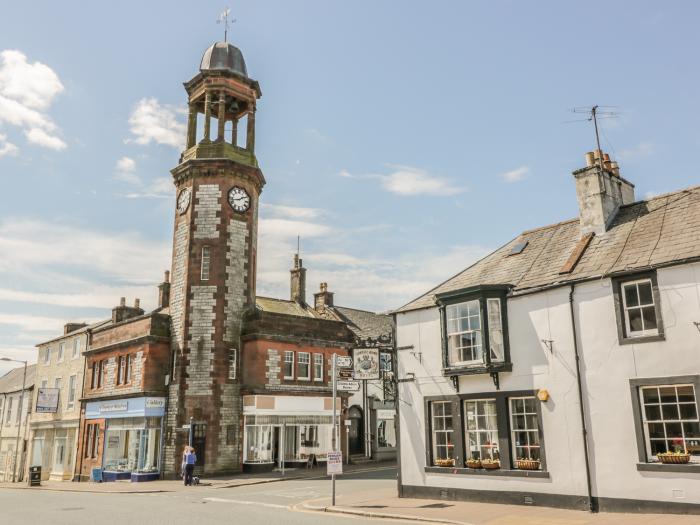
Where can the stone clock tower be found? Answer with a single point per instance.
(218, 185)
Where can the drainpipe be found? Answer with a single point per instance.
(591, 506)
(81, 423)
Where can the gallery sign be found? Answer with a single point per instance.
(155, 402)
(366, 363)
(47, 400)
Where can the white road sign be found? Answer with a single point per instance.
(334, 463)
(342, 361)
(347, 386)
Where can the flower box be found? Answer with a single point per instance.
(490, 464)
(674, 458)
(528, 464)
(473, 463)
(445, 462)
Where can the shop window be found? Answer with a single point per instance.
(638, 309)
(525, 432)
(442, 433)
(386, 432)
(670, 421)
(258, 444)
(288, 365)
(304, 366)
(318, 367)
(132, 444)
(481, 429)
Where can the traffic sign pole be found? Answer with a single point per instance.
(335, 423)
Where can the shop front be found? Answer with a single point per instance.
(289, 431)
(133, 430)
(52, 448)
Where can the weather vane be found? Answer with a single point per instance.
(223, 19)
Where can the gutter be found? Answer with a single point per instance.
(592, 507)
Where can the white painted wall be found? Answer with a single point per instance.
(607, 368)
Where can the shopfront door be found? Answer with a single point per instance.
(355, 434)
(59, 455)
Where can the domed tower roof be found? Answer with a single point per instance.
(223, 56)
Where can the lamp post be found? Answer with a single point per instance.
(21, 402)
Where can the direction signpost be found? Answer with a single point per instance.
(341, 369)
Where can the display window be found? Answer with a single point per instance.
(132, 444)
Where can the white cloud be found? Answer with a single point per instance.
(643, 149)
(515, 175)
(27, 91)
(408, 181)
(152, 122)
(6, 147)
(286, 228)
(125, 171)
(160, 188)
(292, 212)
(40, 137)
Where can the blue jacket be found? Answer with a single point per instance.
(190, 458)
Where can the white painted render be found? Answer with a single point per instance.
(607, 368)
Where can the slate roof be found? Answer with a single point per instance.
(364, 324)
(660, 231)
(12, 380)
(92, 326)
(282, 306)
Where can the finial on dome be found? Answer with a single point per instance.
(223, 19)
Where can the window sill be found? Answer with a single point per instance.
(494, 472)
(463, 370)
(664, 467)
(642, 339)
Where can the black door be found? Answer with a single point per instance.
(355, 434)
(199, 441)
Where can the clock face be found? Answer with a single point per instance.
(183, 200)
(239, 199)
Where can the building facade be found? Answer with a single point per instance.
(55, 419)
(563, 368)
(15, 411)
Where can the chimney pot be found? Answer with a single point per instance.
(590, 159)
(137, 302)
(166, 278)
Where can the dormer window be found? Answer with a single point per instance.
(474, 336)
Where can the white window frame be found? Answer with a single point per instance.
(529, 447)
(307, 362)
(663, 421)
(47, 355)
(206, 263)
(61, 351)
(495, 326)
(478, 349)
(318, 367)
(482, 435)
(76, 347)
(288, 359)
(72, 388)
(436, 429)
(625, 309)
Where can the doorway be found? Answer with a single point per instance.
(355, 434)
(59, 453)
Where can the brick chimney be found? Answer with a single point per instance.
(298, 281)
(323, 298)
(600, 192)
(72, 327)
(122, 312)
(164, 291)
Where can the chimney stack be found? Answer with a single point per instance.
(323, 298)
(122, 312)
(600, 192)
(298, 281)
(164, 291)
(72, 327)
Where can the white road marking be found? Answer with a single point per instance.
(246, 502)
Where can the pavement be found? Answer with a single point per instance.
(384, 503)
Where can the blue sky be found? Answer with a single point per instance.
(401, 140)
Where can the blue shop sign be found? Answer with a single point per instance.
(129, 407)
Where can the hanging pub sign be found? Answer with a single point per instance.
(47, 400)
(366, 363)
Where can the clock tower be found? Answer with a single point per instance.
(218, 184)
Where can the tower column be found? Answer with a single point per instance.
(221, 117)
(192, 127)
(234, 132)
(250, 138)
(207, 118)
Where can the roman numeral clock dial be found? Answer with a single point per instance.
(239, 199)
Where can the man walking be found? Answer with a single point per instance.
(189, 458)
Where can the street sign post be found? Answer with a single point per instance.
(343, 361)
(347, 386)
(334, 463)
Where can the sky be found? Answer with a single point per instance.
(401, 140)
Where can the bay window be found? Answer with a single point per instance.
(464, 332)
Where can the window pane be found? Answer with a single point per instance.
(656, 430)
(649, 314)
(673, 430)
(688, 411)
(670, 412)
(691, 430)
(686, 394)
(631, 298)
(653, 412)
(645, 296)
(651, 395)
(668, 394)
(635, 319)
(657, 446)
